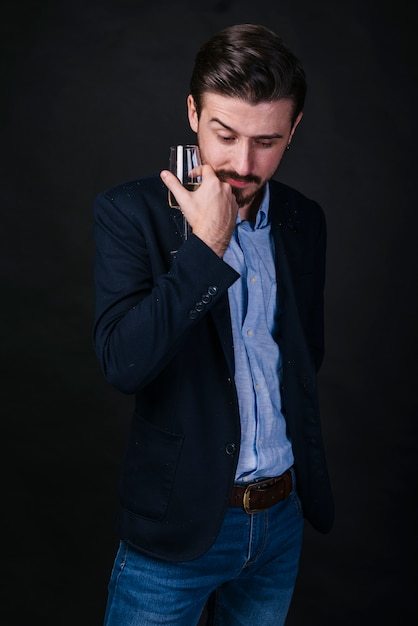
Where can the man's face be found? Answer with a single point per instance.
(244, 143)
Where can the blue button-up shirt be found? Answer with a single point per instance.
(265, 448)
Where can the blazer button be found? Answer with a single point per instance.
(230, 449)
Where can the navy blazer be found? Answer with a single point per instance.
(162, 332)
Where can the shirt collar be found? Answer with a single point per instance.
(262, 217)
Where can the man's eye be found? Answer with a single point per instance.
(226, 139)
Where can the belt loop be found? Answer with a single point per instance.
(293, 474)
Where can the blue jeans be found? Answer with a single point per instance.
(251, 567)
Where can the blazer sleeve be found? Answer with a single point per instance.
(313, 312)
(145, 307)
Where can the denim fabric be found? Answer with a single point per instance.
(252, 566)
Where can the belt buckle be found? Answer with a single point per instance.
(246, 497)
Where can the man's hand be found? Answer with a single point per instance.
(211, 210)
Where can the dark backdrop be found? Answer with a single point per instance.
(93, 93)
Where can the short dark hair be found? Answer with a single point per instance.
(250, 62)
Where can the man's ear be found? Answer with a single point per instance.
(299, 117)
(192, 113)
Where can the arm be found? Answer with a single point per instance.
(143, 309)
(311, 289)
(316, 334)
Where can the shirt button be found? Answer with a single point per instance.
(253, 279)
(250, 332)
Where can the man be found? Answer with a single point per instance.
(220, 338)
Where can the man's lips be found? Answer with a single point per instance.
(240, 182)
(237, 183)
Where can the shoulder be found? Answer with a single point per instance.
(132, 200)
(292, 208)
(147, 186)
(281, 193)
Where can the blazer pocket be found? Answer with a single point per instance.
(149, 469)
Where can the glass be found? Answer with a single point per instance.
(182, 160)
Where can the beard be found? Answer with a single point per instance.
(242, 196)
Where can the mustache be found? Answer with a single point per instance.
(224, 175)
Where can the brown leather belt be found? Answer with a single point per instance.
(259, 496)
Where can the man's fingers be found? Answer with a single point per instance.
(174, 185)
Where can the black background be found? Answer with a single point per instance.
(93, 93)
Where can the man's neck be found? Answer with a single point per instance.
(249, 211)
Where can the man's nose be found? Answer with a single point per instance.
(242, 159)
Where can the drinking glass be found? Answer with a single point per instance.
(182, 160)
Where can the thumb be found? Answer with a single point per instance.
(174, 185)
